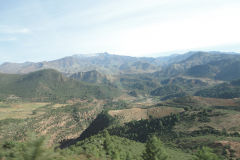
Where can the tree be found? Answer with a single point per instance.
(205, 153)
(109, 146)
(154, 150)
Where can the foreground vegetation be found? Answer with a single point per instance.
(153, 138)
(101, 146)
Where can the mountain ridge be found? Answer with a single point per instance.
(105, 63)
(51, 85)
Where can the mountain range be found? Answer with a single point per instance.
(215, 65)
(101, 75)
(102, 62)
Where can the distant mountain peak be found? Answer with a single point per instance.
(92, 54)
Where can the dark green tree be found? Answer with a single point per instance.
(155, 150)
(109, 147)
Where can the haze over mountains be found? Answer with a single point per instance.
(215, 65)
(104, 62)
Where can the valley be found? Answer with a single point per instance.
(107, 106)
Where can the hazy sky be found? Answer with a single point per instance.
(36, 30)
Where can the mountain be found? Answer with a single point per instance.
(224, 67)
(50, 85)
(14, 68)
(103, 62)
(192, 71)
(91, 77)
(218, 65)
(215, 65)
(174, 58)
(138, 67)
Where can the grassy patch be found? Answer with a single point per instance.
(19, 110)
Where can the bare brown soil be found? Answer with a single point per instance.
(233, 145)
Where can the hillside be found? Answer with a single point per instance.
(220, 70)
(139, 83)
(225, 90)
(215, 65)
(90, 76)
(50, 85)
(190, 84)
(60, 122)
(168, 91)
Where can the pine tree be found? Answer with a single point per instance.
(155, 150)
(109, 147)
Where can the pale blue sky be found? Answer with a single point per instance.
(37, 30)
